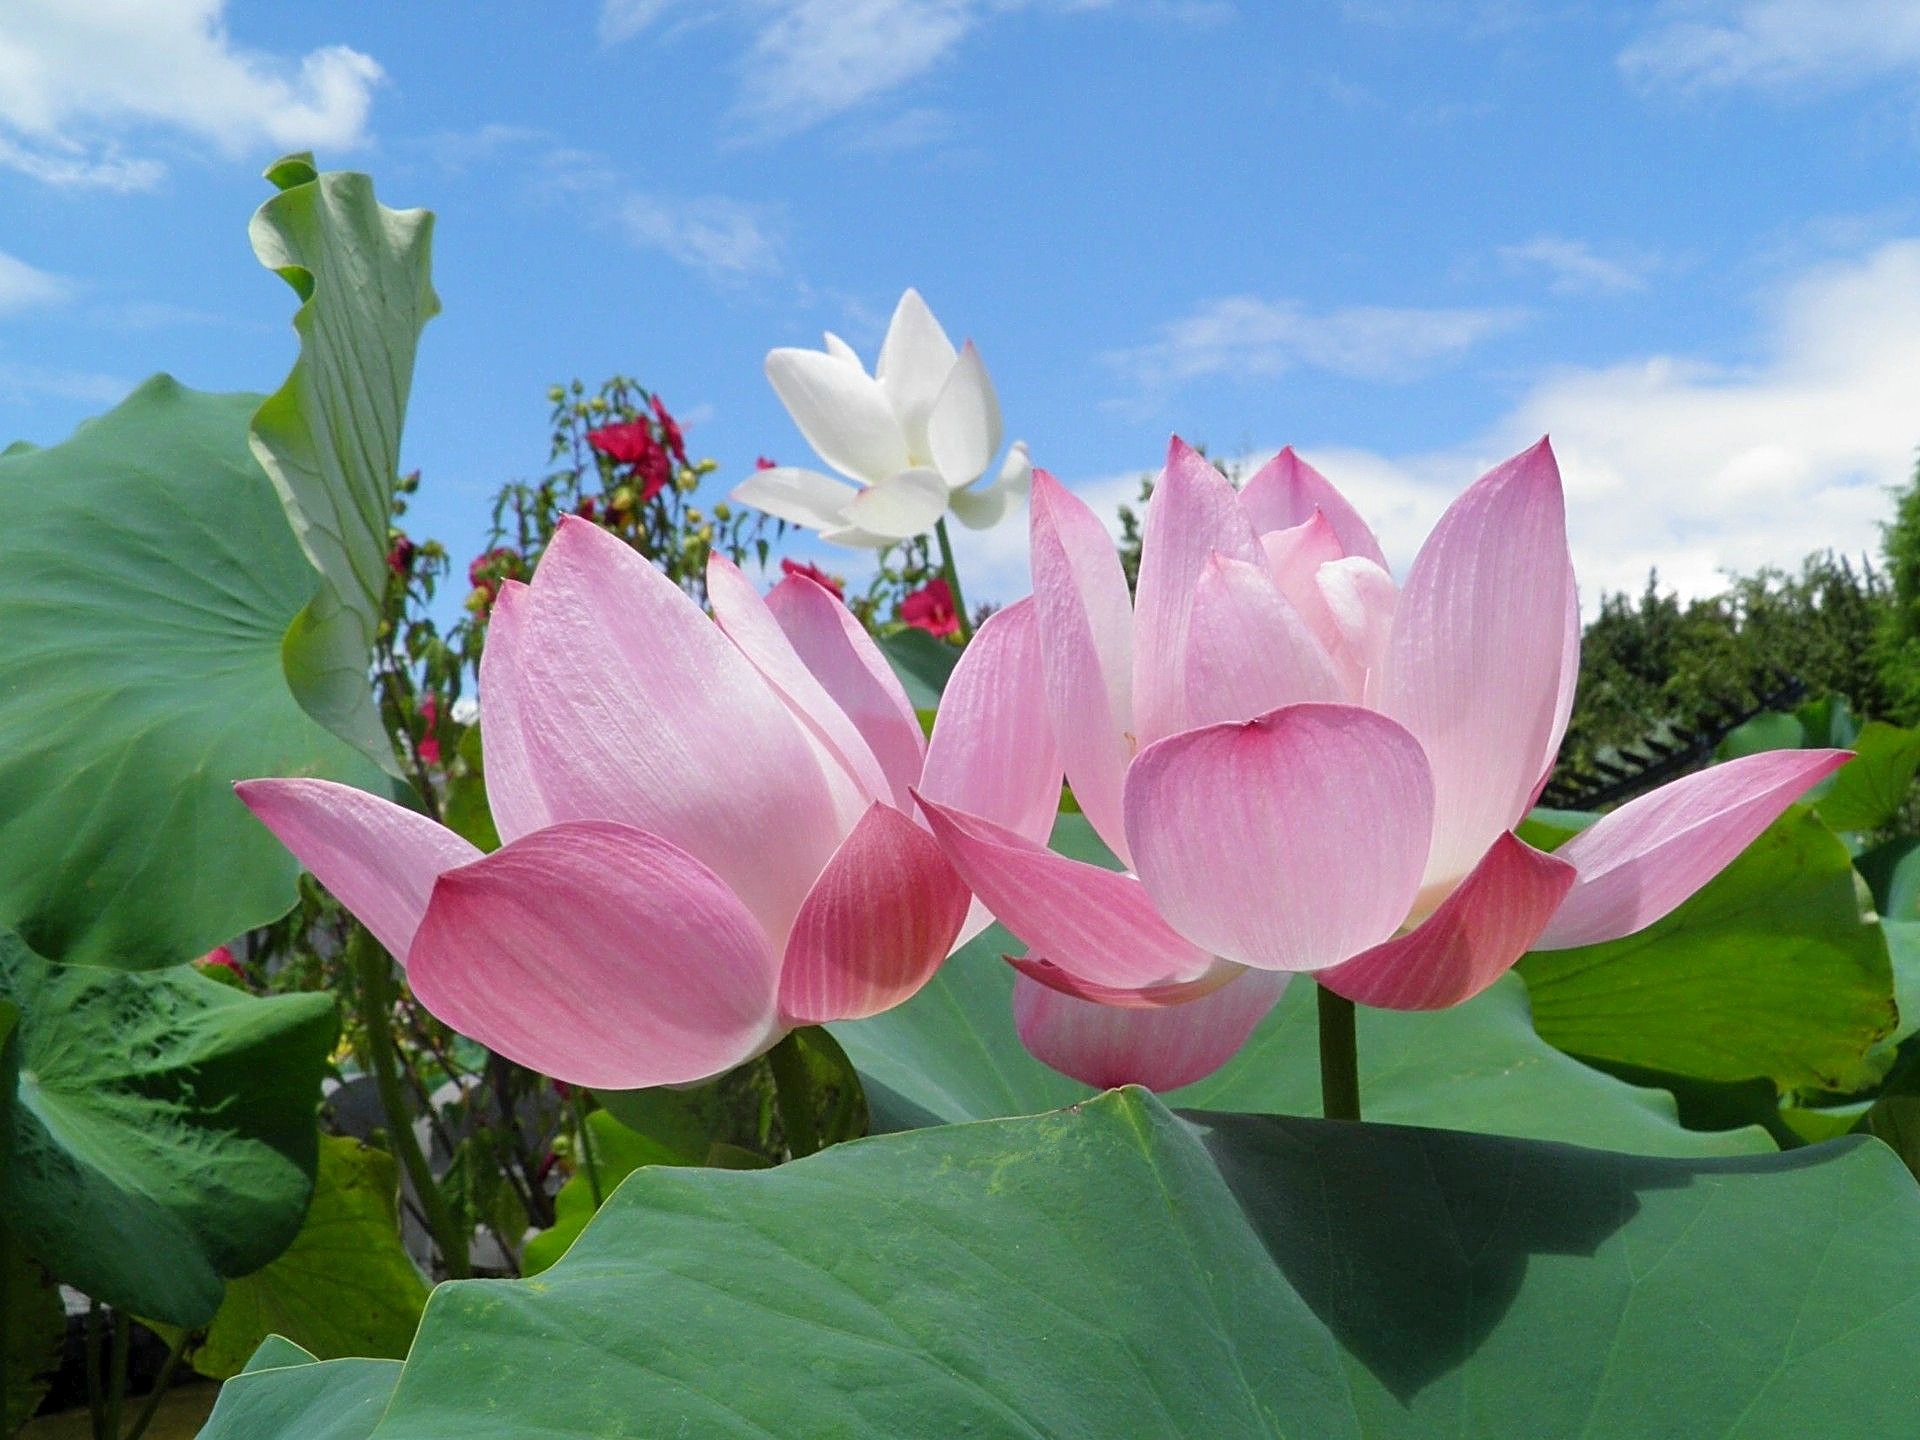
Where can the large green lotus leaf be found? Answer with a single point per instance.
(1115, 1270)
(147, 576)
(330, 436)
(922, 663)
(1869, 790)
(159, 1129)
(951, 1054)
(1769, 971)
(344, 1288)
(287, 1394)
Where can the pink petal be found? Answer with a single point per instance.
(1290, 842)
(875, 926)
(1248, 650)
(1360, 599)
(1149, 997)
(600, 955)
(513, 788)
(750, 624)
(1640, 861)
(378, 860)
(1475, 660)
(1163, 1048)
(836, 648)
(1194, 514)
(638, 709)
(1096, 923)
(1295, 557)
(993, 753)
(1086, 625)
(1569, 681)
(1473, 939)
(1286, 491)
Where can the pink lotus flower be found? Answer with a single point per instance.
(709, 832)
(1309, 768)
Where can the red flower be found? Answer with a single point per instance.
(400, 557)
(653, 473)
(221, 957)
(670, 431)
(763, 463)
(626, 443)
(430, 721)
(931, 609)
(632, 443)
(813, 572)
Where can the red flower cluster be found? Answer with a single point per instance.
(930, 608)
(763, 463)
(632, 443)
(488, 570)
(813, 572)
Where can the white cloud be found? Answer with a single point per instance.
(1776, 44)
(808, 61)
(23, 286)
(79, 78)
(20, 383)
(726, 240)
(1573, 267)
(1692, 468)
(1247, 336)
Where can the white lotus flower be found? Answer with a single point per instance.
(916, 435)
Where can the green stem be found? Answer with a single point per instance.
(96, 1385)
(117, 1387)
(793, 1093)
(376, 1005)
(588, 1162)
(160, 1384)
(952, 575)
(1339, 1058)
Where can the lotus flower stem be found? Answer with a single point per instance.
(117, 1385)
(375, 972)
(1339, 1058)
(793, 1093)
(588, 1161)
(952, 574)
(162, 1382)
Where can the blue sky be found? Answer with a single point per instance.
(1684, 238)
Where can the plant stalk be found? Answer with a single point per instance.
(376, 1004)
(588, 1161)
(793, 1094)
(160, 1384)
(96, 1384)
(952, 576)
(1339, 1058)
(117, 1386)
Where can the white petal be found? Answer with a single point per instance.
(899, 506)
(914, 362)
(800, 497)
(854, 538)
(841, 410)
(964, 429)
(981, 507)
(840, 350)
